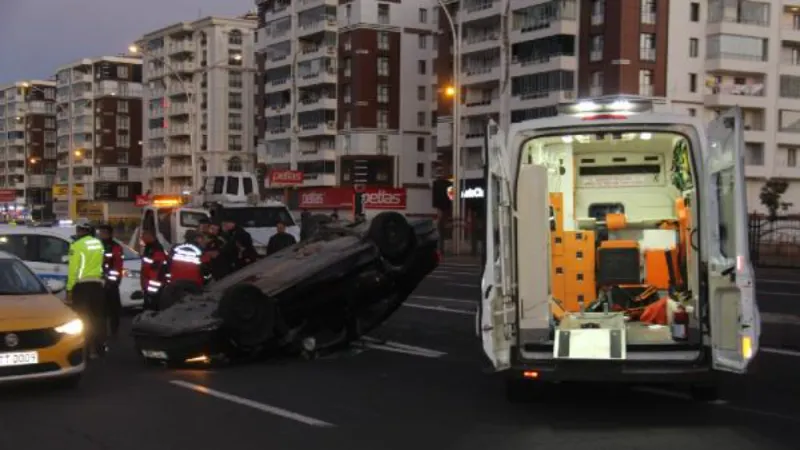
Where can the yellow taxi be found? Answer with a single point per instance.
(41, 338)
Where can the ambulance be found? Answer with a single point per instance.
(617, 249)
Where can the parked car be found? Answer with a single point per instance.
(315, 295)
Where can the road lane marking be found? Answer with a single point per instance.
(397, 347)
(781, 351)
(468, 285)
(784, 294)
(779, 318)
(440, 309)
(460, 265)
(445, 299)
(774, 281)
(253, 404)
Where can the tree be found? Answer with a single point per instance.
(771, 194)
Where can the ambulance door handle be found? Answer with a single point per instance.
(693, 240)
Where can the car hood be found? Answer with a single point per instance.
(191, 315)
(33, 311)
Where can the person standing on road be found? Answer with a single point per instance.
(112, 272)
(188, 261)
(233, 233)
(305, 225)
(280, 240)
(221, 263)
(85, 286)
(153, 259)
(247, 253)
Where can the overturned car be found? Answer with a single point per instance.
(317, 295)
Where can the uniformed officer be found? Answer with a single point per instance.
(153, 259)
(188, 262)
(112, 272)
(85, 286)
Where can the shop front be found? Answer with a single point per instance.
(342, 200)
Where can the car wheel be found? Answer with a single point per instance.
(175, 292)
(249, 316)
(393, 235)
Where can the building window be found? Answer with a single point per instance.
(596, 84)
(235, 122)
(646, 82)
(692, 82)
(647, 47)
(122, 106)
(123, 140)
(235, 100)
(346, 124)
(694, 14)
(346, 94)
(598, 12)
(235, 37)
(383, 14)
(423, 15)
(423, 41)
(596, 48)
(348, 66)
(730, 46)
(420, 170)
(422, 67)
(383, 119)
(383, 66)
(754, 154)
(694, 47)
(122, 157)
(383, 144)
(383, 40)
(383, 93)
(692, 112)
(122, 72)
(421, 93)
(123, 123)
(421, 119)
(791, 157)
(348, 45)
(348, 11)
(420, 144)
(235, 164)
(123, 191)
(649, 12)
(235, 79)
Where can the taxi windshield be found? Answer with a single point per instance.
(17, 279)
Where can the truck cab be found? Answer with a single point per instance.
(617, 248)
(169, 217)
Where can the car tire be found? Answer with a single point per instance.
(249, 316)
(393, 235)
(175, 292)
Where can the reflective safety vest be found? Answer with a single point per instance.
(112, 262)
(186, 263)
(86, 256)
(153, 257)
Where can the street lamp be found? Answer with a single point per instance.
(455, 92)
(71, 203)
(135, 49)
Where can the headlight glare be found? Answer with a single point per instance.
(73, 327)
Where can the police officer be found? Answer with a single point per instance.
(221, 264)
(85, 286)
(112, 272)
(188, 261)
(153, 259)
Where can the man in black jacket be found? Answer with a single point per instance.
(280, 240)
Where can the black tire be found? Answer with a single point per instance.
(175, 292)
(249, 316)
(393, 235)
(704, 392)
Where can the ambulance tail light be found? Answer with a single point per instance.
(607, 107)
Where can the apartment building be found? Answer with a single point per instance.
(704, 57)
(538, 73)
(27, 147)
(199, 97)
(99, 111)
(349, 99)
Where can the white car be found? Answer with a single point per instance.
(46, 251)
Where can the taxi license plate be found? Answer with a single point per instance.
(18, 359)
(154, 354)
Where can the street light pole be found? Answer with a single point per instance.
(456, 33)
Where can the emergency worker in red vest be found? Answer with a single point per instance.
(153, 260)
(188, 261)
(112, 273)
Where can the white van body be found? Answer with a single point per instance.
(46, 251)
(537, 158)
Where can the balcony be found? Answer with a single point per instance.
(183, 46)
(319, 179)
(316, 51)
(155, 172)
(177, 88)
(83, 94)
(318, 26)
(328, 154)
(40, 181)
(16, 156)
(81, 77)
(177, 109)
(317, 129)
(16, 171)
(178, 129)
(480, 9)
(735, 62)
(311, 104)
(275, 134)
(325, 76)
(155, 133)
(82, 128)
(541, 99)
(18, 141)
(481, 107)
(480, 74)
(303, 5)
(743, 95)
(790, 32)
(184, 66)
(520, 66)
(179, 171)
(480, 40)
(179, 150)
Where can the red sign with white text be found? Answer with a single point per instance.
(285, 178)
(384, 198)
(142, 200)
(8, 195)
(339, 197)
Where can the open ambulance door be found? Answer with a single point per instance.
(498, 314)
(734, 318)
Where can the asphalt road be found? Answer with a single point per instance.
(426, 386)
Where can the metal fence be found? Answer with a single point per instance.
(775, 243)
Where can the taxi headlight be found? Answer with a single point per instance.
(73, 327)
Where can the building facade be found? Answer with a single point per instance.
(99, 111)
(27, 147)
(704, 57)
(349, 95)
(199, 101)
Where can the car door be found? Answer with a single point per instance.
(734, 317)
(497, 316)
(50, 255)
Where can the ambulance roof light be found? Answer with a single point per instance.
(607, 105)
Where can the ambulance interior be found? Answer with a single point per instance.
(621, 208)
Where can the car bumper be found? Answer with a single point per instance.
(182, 348)
(130, 293)
(65, 358)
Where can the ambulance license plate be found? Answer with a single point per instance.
(18, 359)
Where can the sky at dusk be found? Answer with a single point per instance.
(37, 36)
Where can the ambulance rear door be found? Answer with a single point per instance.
(734, 317)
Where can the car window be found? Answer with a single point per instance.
(17, 279)
(15, 244)
(50, 249)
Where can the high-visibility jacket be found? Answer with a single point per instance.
(113, 261)
(153, 258)
(85, 261)
(187, 262)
